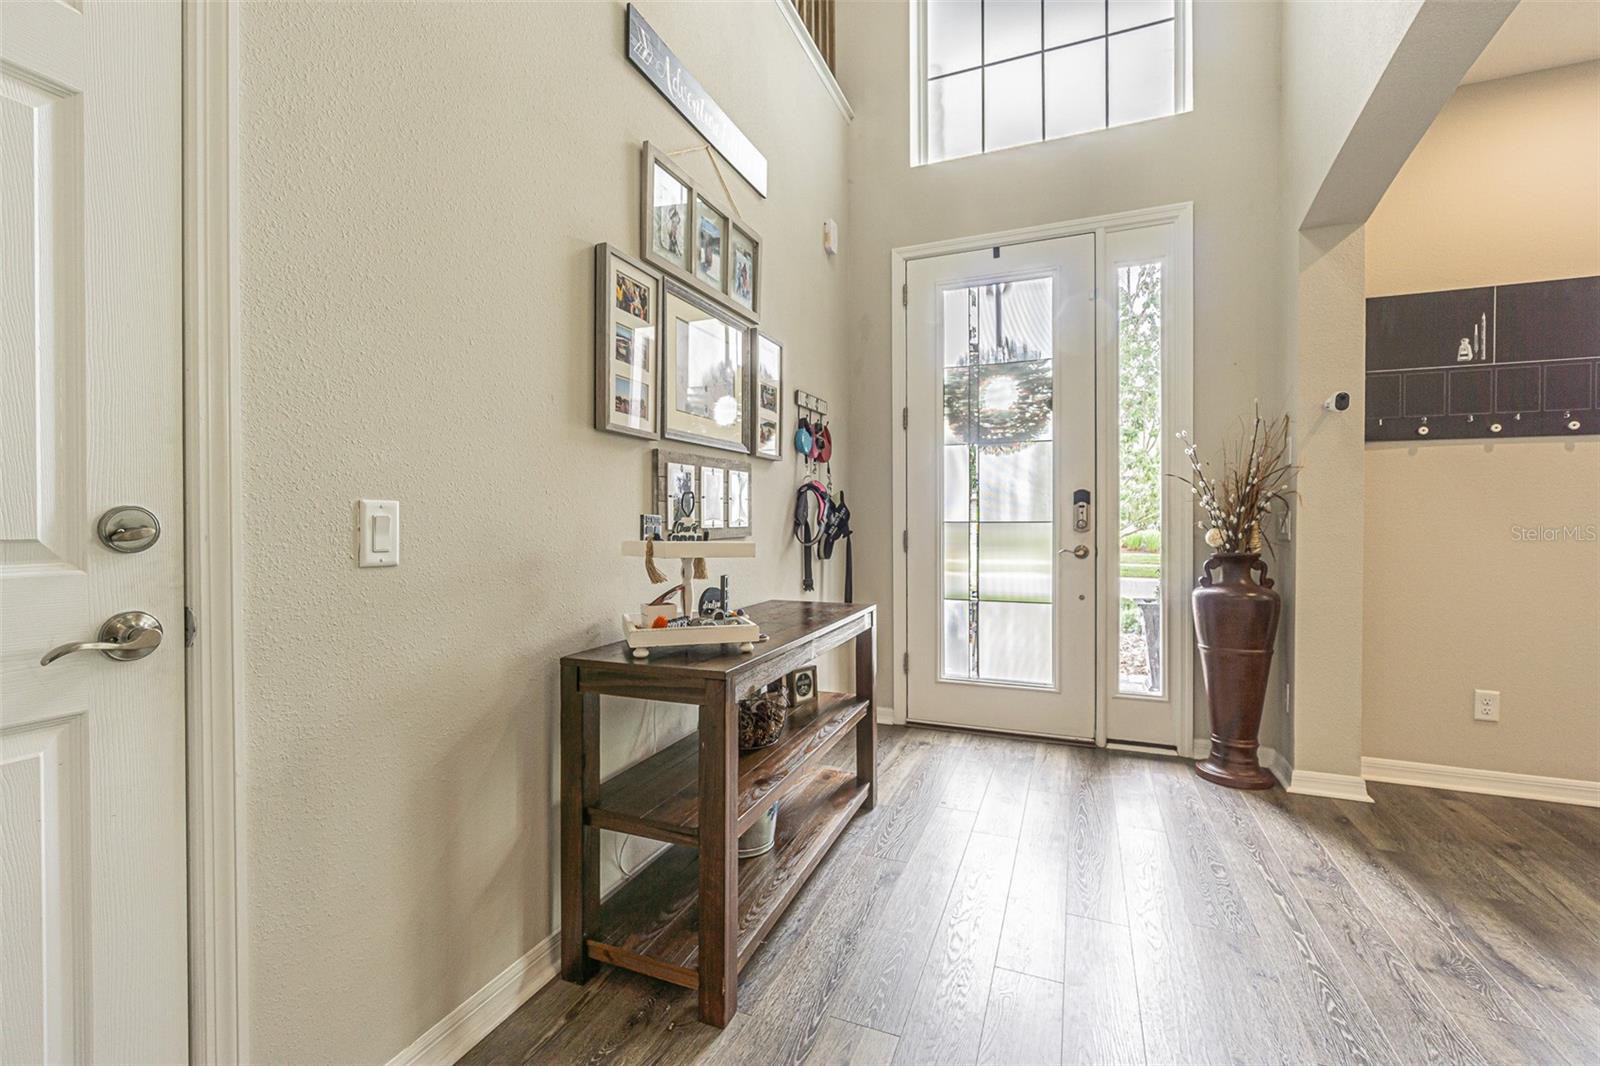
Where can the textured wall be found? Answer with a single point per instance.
(1223, 156)
(1458, 595)
(422, 187)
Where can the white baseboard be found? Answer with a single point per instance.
(1312, 782)
(1331, 786)
(1490, 782)
(1275, 763)
(457, 1032)
(888, 716)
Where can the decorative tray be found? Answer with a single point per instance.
(741, 631)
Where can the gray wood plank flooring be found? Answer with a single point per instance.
(1019, 902)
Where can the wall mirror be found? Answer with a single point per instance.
(705, 373)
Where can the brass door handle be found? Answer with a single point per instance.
(125, 637)
(1080, 552)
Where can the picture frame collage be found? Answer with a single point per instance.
(687, 235)
(677, 356)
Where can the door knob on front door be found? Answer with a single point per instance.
(1080, 552)
(125, 637)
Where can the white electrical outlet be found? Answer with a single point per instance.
(1485, 705)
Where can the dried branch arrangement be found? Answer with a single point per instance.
(1254, 479)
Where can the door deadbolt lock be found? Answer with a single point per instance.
(128, 529)
(1080, 512)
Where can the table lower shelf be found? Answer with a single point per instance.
(651, 924)
(659, 797)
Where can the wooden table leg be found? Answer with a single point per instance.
(867, 730)
(719, 856)
(580, 843)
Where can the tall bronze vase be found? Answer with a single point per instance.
(1235, 624)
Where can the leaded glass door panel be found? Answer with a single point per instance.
(1000, 387)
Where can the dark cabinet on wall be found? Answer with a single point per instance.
(1507, 361)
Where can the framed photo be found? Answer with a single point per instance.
(690, 237)
(744, 268)
(710, 491)
(710, 245)
(665, 230)
(766, 397)
(627, 318)
(704, 375)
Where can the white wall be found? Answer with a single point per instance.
(422, 188)
(1503, 188)
(1223, 156)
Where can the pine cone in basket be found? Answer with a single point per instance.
(761, 721)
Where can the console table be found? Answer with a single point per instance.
(697, 913)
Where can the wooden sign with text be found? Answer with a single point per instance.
(656, 62)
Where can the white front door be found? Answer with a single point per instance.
(93, 939)
(1000, 454)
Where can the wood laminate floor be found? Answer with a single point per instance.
(1018, 902)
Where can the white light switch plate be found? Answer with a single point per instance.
(378, 532)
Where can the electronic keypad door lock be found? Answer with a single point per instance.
(1080, 511)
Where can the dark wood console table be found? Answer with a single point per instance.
(697, 914)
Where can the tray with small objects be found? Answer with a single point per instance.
(698, 632)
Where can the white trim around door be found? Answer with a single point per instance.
(1177, 406)
(217, 943)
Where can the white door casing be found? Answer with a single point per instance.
(1166, 233)
(1035, 661)
(92, 805)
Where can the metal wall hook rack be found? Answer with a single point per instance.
(807, 402)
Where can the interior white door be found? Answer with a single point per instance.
(1000, 451)
(93, 938)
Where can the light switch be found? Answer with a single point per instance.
(378, 532)
(382, 533)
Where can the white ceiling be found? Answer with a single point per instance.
(1541, 34)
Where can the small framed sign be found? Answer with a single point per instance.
(627, 318)
(802, 685)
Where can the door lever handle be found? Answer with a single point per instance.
(1080, 552)
(125, 637)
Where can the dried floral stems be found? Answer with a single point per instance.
(1254, 479)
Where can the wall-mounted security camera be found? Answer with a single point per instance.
(1339, 401)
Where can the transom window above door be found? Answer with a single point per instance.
(995, 74)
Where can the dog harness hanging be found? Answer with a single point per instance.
(803, 529)
(835, 529)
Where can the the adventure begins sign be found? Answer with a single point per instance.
(656, 61)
